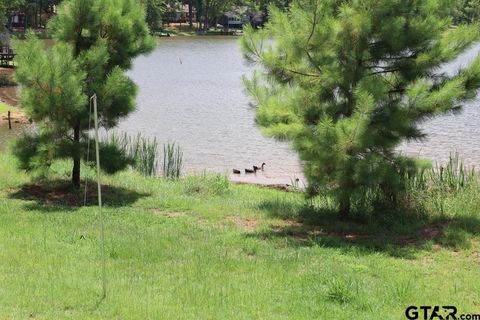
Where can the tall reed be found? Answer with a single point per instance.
(147, 156)
(172, 161)
(452, 177)
(143, 152)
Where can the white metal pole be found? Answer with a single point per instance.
(102, 231)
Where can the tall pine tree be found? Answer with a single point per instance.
(347, 81)
(95, 42)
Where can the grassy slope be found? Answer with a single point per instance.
(186, 251)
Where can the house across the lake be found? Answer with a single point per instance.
(23, 20)
(17, 21)
(236, 18)
(181, 14)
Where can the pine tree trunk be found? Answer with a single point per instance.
(190, 13)
(344, 212)
(76, 157)
(344, 197)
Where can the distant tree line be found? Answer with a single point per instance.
(33, 10)
(208, 12)
(158, 12)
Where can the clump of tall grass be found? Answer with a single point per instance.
(206, 184)
(147, 156)
(452, 177)
(341, 290)
(143, 152)
(438, 188)
(172, 161)
(455, 176)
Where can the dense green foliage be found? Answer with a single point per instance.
(5, 7)
(201, 248)
(467, 11)
(156, 11)
(263, 5)
(213, 9)
(348, 81)
(95, 42)
(153, 13)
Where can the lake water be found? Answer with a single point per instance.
(453, 133)
(191, 92)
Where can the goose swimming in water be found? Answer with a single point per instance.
(259, 168)
(236, 171)
(250, 171)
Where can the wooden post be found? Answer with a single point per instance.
(9, 121)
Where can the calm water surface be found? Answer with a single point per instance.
(191, 92)
(449, 134)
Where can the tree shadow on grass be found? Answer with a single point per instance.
(403, 237)
(59, 194)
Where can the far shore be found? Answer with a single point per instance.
(183, 30)
(9, 101)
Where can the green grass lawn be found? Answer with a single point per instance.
(4, 108)
(201, 248)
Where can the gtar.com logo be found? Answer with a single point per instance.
(431, 313)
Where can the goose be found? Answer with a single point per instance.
(259, 168)
(250, 171)
(236, 171)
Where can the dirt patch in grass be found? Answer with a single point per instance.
(62, 193)
(244, 223)
(9, 96)
(305, 232)
(350, 234)
(16, 116)
(169, 214)
(8, 93)
(426, 233)
(58, 195)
